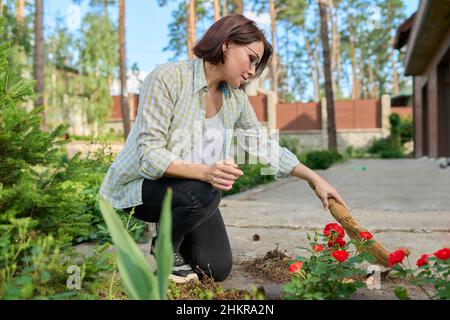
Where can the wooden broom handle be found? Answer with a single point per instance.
(341, 215)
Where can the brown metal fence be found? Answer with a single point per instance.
(297, 116)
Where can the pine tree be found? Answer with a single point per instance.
(177, 28)
(33, 173)
(19, 36)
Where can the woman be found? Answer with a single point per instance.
(198, 99)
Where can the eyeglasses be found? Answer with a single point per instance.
(254, 62)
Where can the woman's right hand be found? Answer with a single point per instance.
(222, 174)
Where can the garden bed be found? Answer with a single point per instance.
(270, 273)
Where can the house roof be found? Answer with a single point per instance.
(401, 100)
(430, 25)
(401, 38)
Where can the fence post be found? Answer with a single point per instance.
(385, 112)
(324, 124)
(271, 110)
(131, 105)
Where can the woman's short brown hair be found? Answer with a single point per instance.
(233, 28)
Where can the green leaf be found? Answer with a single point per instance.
(444, 293)
(164, 248)
(401, 293)
(321, 269)
(354, 259)
(140, 283)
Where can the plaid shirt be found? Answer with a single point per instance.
(171, 102)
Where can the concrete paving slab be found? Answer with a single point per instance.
(403, 202)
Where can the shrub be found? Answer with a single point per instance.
(390, 147)
(331, 271)
(316, 159)
(251, 178)
(406, 130)
(41, 210)
(32, 266)
(32, 174)
(91, 172)
(352, 152)
(27, 261)
(321, 159)
(385, 148)
(432, 269)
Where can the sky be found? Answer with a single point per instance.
(146, 26)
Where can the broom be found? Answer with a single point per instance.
(341, 215)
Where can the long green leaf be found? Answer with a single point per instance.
(140, 282)
(164, 247)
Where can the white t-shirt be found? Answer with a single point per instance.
(210, 149)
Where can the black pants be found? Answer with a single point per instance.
(198, 230)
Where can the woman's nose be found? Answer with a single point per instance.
(252, 71)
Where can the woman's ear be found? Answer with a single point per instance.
(225, 47)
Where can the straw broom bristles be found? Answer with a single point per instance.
(341, 215)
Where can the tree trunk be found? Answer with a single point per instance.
(105, 8)
(332, 141)
(238, 6)
(105, 13)
(314, 73)
(371, 81)
(20, 15)
(355, 88)
(123, 71)
(319, 71)
(377, 77)
(20, 19)
(395, 89)
(216, 10)
(191, 30)
(336, 48)
(274, 58)
(39, 58)
(362, 82)
(286, 44)
(338, 70)
(224, 8)
(333, 43)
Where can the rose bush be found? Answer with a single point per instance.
(434, 270)
(332, 273)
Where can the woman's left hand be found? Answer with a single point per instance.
(324, 191)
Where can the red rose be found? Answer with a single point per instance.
(339, 241)
(422, 260)
(340, 255)
(366, 235)
(318, 248)
(396, 257)
(443, 254)
(329, 228)
(295, 267)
